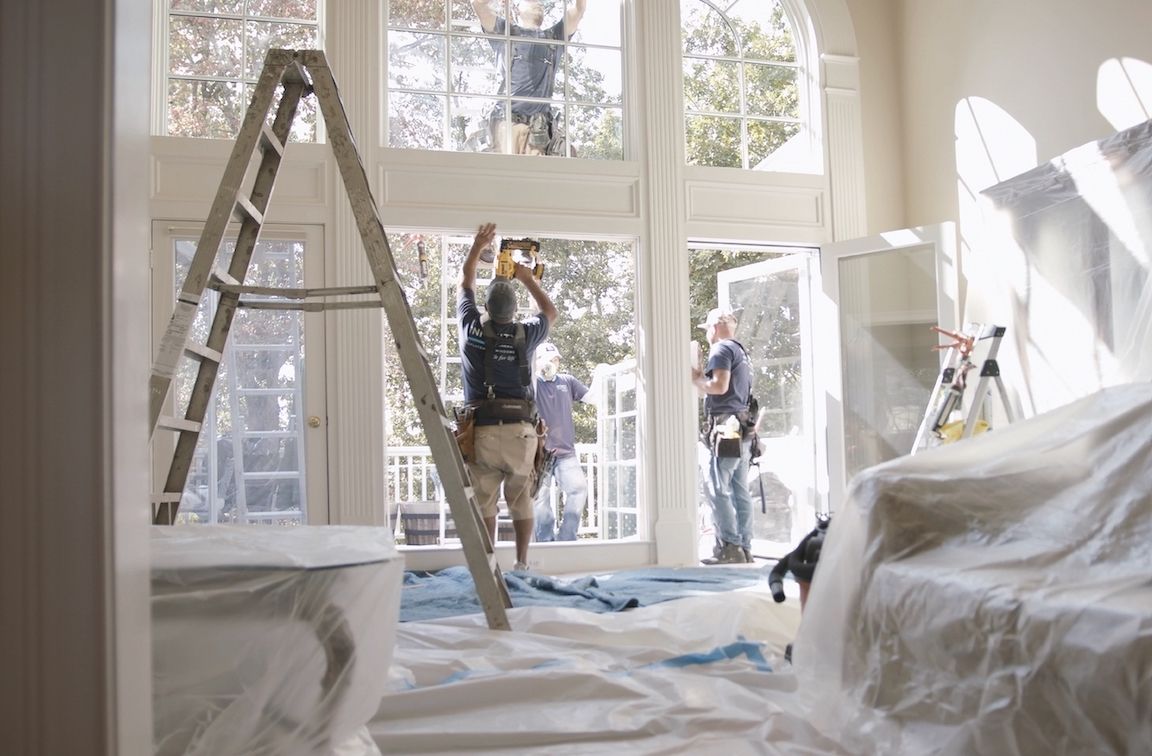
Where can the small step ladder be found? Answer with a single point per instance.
(952, 382)
(304, 73)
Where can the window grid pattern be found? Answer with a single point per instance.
(443, 83)
(215, 51)
(743, 82)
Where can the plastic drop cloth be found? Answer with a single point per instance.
(1066, 268)
(993, 596)
(702, 674)
(270, 640)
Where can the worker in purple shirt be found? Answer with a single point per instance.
(555, 393)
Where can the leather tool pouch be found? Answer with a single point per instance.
(542, 463)
(727, 447)
(466, 432)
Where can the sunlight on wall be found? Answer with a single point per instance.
(991, 146)
(1124, 91)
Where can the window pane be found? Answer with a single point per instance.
(593, 76)
(764, 30)
(712, 140)
(415, 121)
(301, 10)
(600, 25)
(771, 91)
(209, 6)
(765, 138)
(474, 68)
(469, 128)
(205, 46)
(596, 133)
(416, 61)
(416, 14)
(711, 86)
(303, 126)
(464, 17)
(705, 31)
(264, 35)
(211, 109)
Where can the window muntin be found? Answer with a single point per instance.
(744, 96)
(445, 87)
(215, 52)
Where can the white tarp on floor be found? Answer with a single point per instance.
(988, 597)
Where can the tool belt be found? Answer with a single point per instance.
(497, 411)
(728, 447)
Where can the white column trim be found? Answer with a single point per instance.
(841, 83)
(670, 431)
(356, 470)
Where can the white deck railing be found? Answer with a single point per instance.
(412, 477)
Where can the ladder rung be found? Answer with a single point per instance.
(284, 293)
(178, 424)
(261, 304)
(202, 352)
(166, 497)
(268, 140)
(245, 207)
(271, 474)
(221, 278)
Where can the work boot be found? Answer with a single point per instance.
(748, 555)
(730, 554)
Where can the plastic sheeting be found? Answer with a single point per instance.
(993, 596)
(270, 640)
(1066, 268)
(701, 674)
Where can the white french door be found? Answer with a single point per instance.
(881, 296)
(774, 298)
(262, 455)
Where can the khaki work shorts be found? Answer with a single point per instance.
(504, 454)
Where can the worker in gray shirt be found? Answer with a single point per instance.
(555, 394)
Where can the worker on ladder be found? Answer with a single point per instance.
(496, 357)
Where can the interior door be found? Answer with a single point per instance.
(262, 455)
(775, 327)
(881, 296)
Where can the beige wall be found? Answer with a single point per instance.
(1037, 60)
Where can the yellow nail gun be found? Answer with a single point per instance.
(515, 252)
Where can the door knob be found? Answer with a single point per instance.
(313, 421)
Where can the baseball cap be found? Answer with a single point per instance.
(501, 301)
(547, 351)
(717, 315)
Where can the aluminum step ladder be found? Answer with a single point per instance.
(298, 74)
(952, 383)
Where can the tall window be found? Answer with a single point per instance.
(215, 51)
(745, 88)
(450, 63)
(593, 285)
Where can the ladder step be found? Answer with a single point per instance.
(221, 276)
(202, 352)
(269, 141)
(271, 475)
(166, 497)
(246, 210)
(179, 424)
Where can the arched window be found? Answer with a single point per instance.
(450, 61)
(746, 85)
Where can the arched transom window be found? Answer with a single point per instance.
(745, 85)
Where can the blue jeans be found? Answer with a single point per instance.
(568, 475)
(729, 496)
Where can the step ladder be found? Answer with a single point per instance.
(952, 383)
(298, 74)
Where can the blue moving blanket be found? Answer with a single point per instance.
(450, 592)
